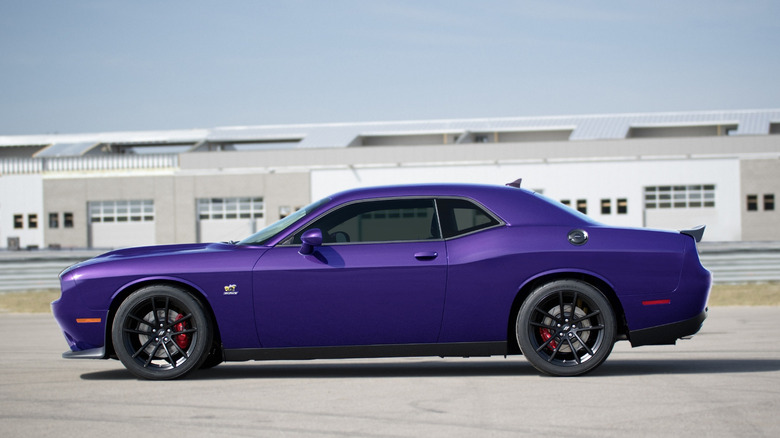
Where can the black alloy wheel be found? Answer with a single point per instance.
(566, 328)
(161, 332)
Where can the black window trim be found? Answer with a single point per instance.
(499, 221)
(287, 241)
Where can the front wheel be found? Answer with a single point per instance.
(161, 332)
(566, 328)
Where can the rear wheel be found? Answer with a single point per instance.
(161, 332)
(566, 328)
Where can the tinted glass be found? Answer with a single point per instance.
(379, 221)
(277, 227)
(459, 216)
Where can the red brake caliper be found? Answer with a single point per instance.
(182, 340)
(547, 334)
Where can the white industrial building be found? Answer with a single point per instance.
(658, 170)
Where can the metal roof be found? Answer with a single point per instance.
(67, 149)
(582, 127)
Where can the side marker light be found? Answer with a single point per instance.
(655, 302)
(87, 320)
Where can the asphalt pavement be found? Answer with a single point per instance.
(723, 382)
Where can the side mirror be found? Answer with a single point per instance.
(310, 239)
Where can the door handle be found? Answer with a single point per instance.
(426, 255)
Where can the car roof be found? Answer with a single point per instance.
(516, 206)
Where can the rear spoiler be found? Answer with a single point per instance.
(516, 183)
(695, 232)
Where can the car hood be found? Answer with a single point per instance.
(152, 251)
(159, 250)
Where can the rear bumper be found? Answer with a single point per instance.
(667, 334)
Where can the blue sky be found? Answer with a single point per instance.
(91, 66)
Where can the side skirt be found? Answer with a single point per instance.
(461, 349)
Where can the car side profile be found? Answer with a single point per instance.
(416, 270)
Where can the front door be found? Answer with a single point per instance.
(379, 278)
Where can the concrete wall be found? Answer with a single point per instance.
(276, 189)
(71, 194)
(22, 195)
(760, 177)
(174, 197)
(288, 179)
(590, 181)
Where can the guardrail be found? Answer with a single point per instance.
(729, 262)
(38, 269)
(88, 163)
(741, 262)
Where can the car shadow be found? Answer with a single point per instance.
(627, 367)
(466, 368)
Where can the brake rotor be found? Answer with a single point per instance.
(182, 340)
(546, 334)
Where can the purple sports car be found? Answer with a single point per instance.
(423, 270)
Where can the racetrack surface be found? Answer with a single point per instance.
(723, 382)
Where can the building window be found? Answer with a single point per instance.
(231, 208)
(566, 202)
(622, 206)
(769, 202)
(18, 221)
(582, 206)
(54, 220)
(117, 211)
(680, 197)
(752, 202)
(606, 206)
(689, 196)
(67, 220)
(681, 131)
(32, 221)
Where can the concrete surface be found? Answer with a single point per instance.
(723, 382)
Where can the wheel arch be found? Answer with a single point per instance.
(533, 283)
(128, 289)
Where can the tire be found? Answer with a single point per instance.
(566, 328)
(161, 332)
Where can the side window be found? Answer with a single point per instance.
(378, 221)
(459, 216)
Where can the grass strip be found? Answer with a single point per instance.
(753, 294)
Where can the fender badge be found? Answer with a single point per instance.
(230, 290)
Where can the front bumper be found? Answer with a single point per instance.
(84, 329)
(94, 353)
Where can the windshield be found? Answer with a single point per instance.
(264, 235)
